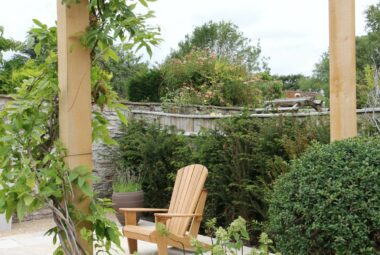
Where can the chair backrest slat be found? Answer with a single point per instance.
(186, 193)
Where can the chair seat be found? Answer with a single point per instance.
(139, 232)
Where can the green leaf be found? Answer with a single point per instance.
(38, 23)
(81, 181)
(149, 50)
(10, 207)
(28, 199)
(21, 209)
(37, 48)
(81, 170)
(73, 175)
(122, 117)
(30, 182)
(87, 189)
(143, 2)
(111, 54)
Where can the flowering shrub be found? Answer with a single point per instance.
(201, 77)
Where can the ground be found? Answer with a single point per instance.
(28, 238)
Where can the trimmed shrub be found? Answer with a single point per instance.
(329, 202)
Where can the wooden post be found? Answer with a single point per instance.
(343, 118)
(75, 93)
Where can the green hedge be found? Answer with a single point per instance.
(329, 203)
(145, 86)
(244, 156)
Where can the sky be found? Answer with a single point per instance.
(293, 34)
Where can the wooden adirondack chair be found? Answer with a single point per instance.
(186, 204)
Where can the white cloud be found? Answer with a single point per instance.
(293, 33)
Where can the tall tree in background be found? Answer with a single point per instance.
(7, 66)
(373, 42)
(224, 40)
(124, 69)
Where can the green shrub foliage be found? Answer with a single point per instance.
(329, 202)
(155, 155)
(145, 86)
(202, 77)
(244, 156)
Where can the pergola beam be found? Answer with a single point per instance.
(343, 119)
(74, 69)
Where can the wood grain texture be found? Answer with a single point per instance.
(186, 205)
(343, 116)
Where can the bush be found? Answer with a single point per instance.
(154, 154)
(244, 156)
(201, 77)
(329, 203)
(145, 86)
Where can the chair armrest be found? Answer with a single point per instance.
(173, 215)
(142, 210)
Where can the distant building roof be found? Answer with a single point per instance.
(295, 94)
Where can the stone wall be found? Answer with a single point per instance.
(104, 157)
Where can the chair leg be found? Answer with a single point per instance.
(132, 245)
(162, 246)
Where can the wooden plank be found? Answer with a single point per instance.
(343, 117)
(75, 94)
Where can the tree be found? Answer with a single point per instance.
(125, 68)
(291, 81)
(321, 70)
(7, 66)
(224, 40)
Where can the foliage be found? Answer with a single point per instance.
(32, 158)
(320, 78)
(227, 241)
(243, 155)
(265, 245)
(6, 44)
(321, 70)
(329, 201)
(8, 73)
(7, 66)
(231, 240)
(155, 155)
(123, 70)
(112, 20)
(291, 81)
(34, 173)
(145, 86)
(201, 77)
(126, 187)
(225, 41)
(367, 58)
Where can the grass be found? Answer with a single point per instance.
(126, 187)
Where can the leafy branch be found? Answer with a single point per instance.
(34, 172)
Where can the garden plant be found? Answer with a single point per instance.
(32, 158)
(329, 201)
